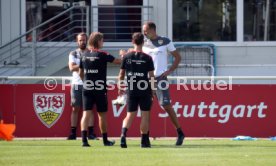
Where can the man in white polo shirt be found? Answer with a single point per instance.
(158, 47)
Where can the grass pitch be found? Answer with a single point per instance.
(194, 152)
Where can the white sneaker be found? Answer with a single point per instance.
(121, 100)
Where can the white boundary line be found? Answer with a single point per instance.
(169, 77)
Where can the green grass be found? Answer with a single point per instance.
(209, 152)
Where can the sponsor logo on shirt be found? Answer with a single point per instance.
(90, 71)
(128, 61)
(91, 58)
(138, 61)
(136, 74)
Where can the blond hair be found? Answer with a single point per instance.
(94, 39)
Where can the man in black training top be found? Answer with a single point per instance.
(93, 68)
(76, 88)
(137, 66)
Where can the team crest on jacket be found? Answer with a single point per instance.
(128, 61)
(160, 42)
(48, 107)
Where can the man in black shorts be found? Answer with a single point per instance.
(93, 68)
(137, 66)
(76, 88)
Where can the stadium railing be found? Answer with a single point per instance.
(196, 60)
(55, 37)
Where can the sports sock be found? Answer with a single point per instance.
(84, 135)
(73, 130)
(179, 131)
(144, 139)
(124, 131)
(104, 135)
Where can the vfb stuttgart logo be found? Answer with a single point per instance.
(48, 107)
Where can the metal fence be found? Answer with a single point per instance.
(196, 60)
(118, 23)
(56, 36)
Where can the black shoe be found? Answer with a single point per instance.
(72, 137)
(109, 143)
(145, 146)
(145, 141)
(92, 137)
(123, 142)
(85, 144)
(180, 139)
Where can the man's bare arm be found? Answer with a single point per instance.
(73, 66)
(117, 61)
(152, 82)
(121, 78)
(177, 59)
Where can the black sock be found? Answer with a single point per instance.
(104, 137)
(91, 130)
(144, 138)
(73, 130)
(84, 135)
(179, 131)
(124, 132)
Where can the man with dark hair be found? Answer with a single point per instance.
(76, 88)
(137, 66)
(158, 47)
(93, 68)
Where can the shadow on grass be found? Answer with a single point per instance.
(211, 146)
(170, 145)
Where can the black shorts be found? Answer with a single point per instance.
(144, 102)
(90, 99)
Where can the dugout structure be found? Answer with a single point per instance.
(196, 60)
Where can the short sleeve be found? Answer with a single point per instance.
(110, 58)
(123, 64)
(171, 47)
